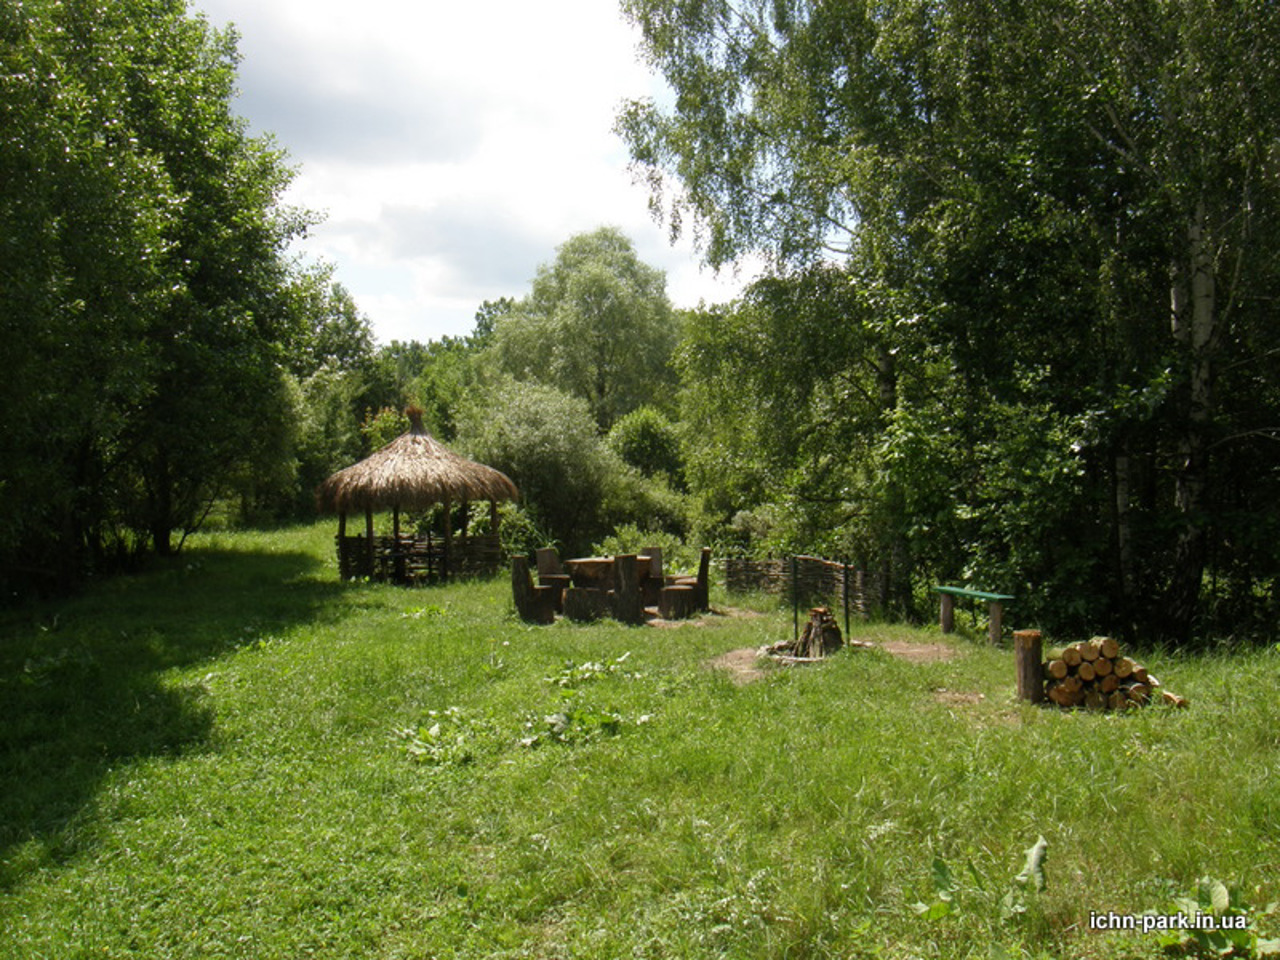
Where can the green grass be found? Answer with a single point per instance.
(233, 755)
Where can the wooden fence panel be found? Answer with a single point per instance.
(815, 578)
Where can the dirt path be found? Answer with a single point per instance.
(745, 665)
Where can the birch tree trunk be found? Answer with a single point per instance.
(1195, 329)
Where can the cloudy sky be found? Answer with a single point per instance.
(452, 146)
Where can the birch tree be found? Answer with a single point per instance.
(1075, 204)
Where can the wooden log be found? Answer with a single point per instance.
(533, 605)
(702, 588)
(1057, 669)
(628, 604)
(677, 602)
(549, 562)
(821, 635)
(1116, 700)
(1139, 693)
(995, 631)
(1102, 667)
(1061, 693)
(651, 585)
(1173, 699)
(947, 614)
(1123, 667)
(1140, 673)
(1085, 671)
(1089, 651)
(585, 604)
(1027, 657)
(1108, 647)
(1109, 683)
(1095, 700)
(558, 583)
(1071, 656)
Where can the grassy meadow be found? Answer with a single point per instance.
(232, 754)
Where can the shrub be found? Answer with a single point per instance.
(546, 441)
(648, 441)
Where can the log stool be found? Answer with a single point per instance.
(678, 602)
(557, 582)
(585, 604)
(534, 604)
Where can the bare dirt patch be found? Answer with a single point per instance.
(746, 665)
(919, 652)
(743, 666)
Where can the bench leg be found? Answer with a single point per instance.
(997, 621)
(947, 619)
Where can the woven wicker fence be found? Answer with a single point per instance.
(815, 579)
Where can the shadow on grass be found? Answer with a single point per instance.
(82, 688)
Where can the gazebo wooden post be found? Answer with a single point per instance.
(465, 557)
(343, 564)
(493, 518)
(396, 554)
(448, 535)
(368, 538)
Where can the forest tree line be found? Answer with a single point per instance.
(1019, 331)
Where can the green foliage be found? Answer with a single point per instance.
(1223, 925)
(382, 427)
(447, 738)
(650, 442)
(572, 484)
(950, 896)
(596, 325)
(144, 292)
(573, 675)
(1050, 254)
(332, 333)
(575, 725)
(679, 553)
(521, 531)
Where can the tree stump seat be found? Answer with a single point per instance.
(679, 601)
(586, 604)
(534, 604)
(557, 582)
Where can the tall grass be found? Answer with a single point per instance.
(235, 755)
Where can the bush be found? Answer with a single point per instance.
(546, 442)
(650, 442)
(677, 554)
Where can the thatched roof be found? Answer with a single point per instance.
(413, 472)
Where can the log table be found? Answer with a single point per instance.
(615, 584)
(591, 573)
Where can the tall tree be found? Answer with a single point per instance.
(143, 276)
(597, 325)
(1071, 204)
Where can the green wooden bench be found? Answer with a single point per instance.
(947, 619)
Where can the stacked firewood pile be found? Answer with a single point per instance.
(1094, 674)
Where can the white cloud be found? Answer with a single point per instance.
(451, 146)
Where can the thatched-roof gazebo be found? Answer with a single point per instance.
(414, 472)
